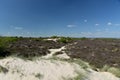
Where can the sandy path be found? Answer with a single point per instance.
(53, 51)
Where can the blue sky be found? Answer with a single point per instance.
(74, 18)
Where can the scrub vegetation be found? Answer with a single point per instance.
(96, 51)
(100, 55)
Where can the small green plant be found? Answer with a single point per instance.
(38, 75)
(79, 77)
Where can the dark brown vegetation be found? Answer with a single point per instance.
(98, 52)
(29, 47)
(33, 47)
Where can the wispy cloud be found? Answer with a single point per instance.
(85, 20)
(97, 24)
(16, 27)
(109, 23)
(71, 26)
(86, 33)
(117, 24)
(98, 33)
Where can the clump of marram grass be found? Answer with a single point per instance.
(113, 70)
(2, 69)
(105, 68)
(79, 77)
(83, 64)
(39, 76)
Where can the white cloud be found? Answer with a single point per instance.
(109, 23)
(85, 20)
(70, 26)
(97, 24)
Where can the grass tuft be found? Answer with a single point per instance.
(113, 70)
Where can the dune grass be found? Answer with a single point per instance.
(2, 69)
(113, 70)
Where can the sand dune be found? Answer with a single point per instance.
(46, 68)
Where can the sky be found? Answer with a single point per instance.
(73, 18)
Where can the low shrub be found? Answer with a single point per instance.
(65, 39)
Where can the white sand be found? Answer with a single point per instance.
(53, 51)
(48, 69)
(50, 39)
(63, 56)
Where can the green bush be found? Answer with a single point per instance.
(64, 39)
